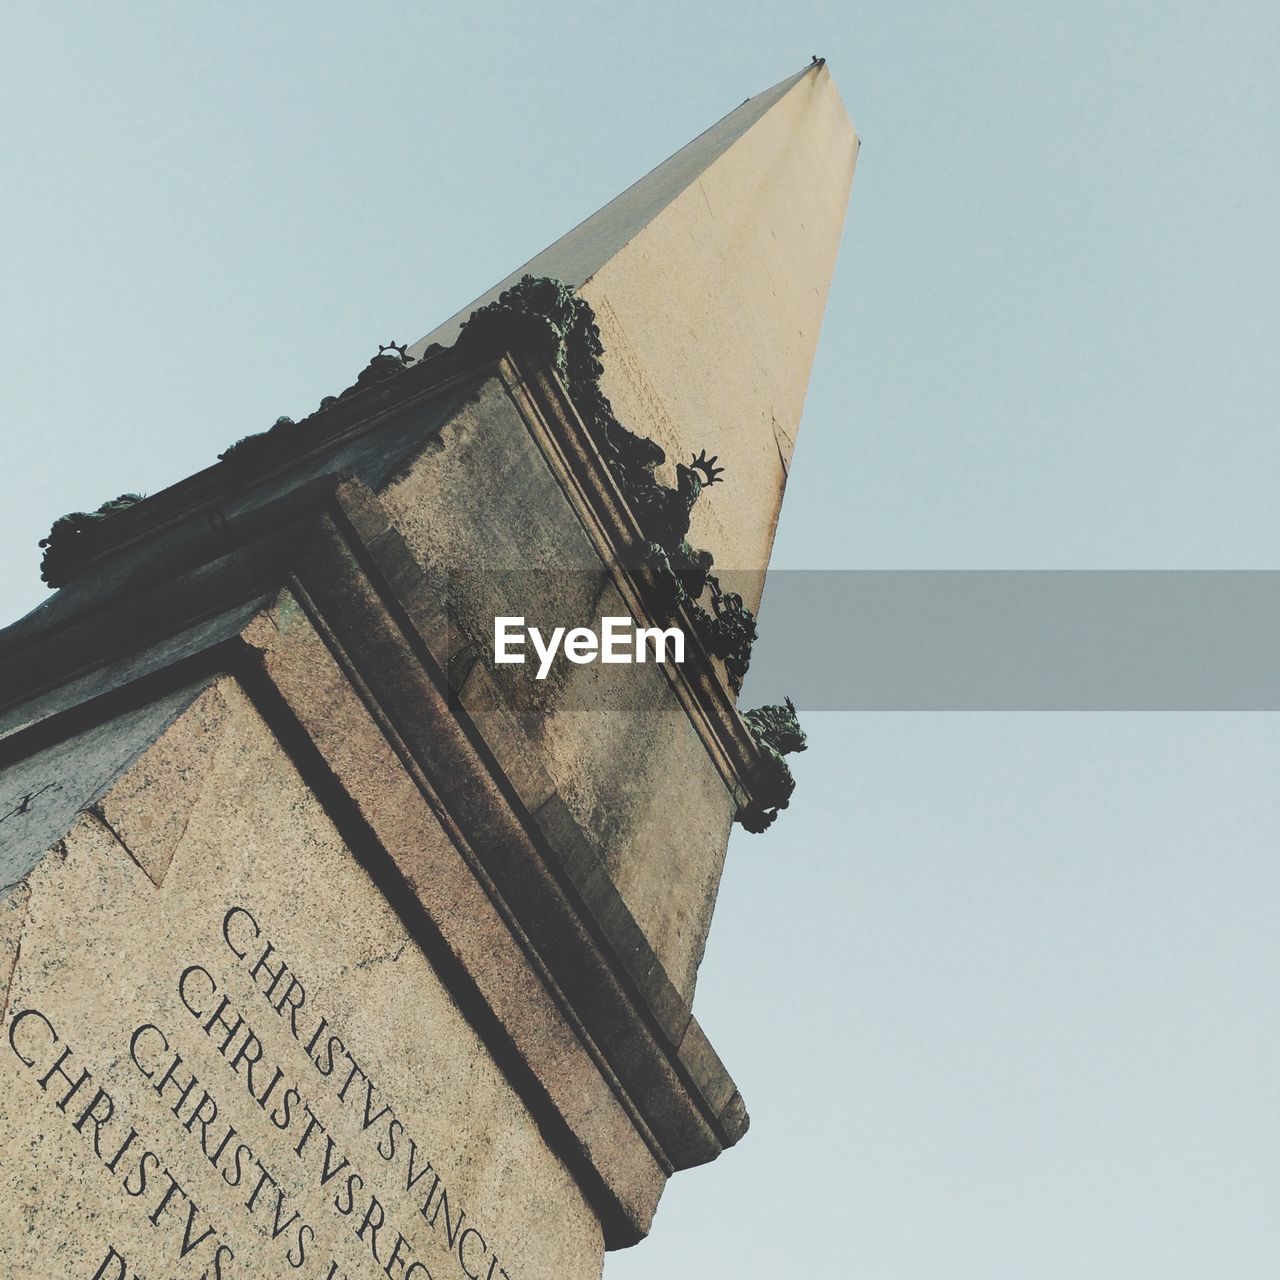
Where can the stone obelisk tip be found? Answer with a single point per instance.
(709, 278)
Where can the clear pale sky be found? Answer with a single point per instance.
(999, 989)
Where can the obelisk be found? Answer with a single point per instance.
(332, 944)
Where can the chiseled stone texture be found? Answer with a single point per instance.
(623, 753)
(41, 795)
(101, 945)
(175, 768)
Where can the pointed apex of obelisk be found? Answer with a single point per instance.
(579, 253)
(708, 279)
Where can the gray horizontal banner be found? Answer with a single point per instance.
(1075, 640)
(931, 640)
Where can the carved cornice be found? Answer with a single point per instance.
(544, 320)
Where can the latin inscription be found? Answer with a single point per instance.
(427, 1236)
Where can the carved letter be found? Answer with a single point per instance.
(103, 1273)
(13, 1033)
(226, 929)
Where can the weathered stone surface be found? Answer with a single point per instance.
(615, 741)
(28, 699)
(148, 809)
(595, 1048)
(41, 793)
(467, 916)
(13, 919)
(709, 278)
(409, 1081)
(624, 997)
